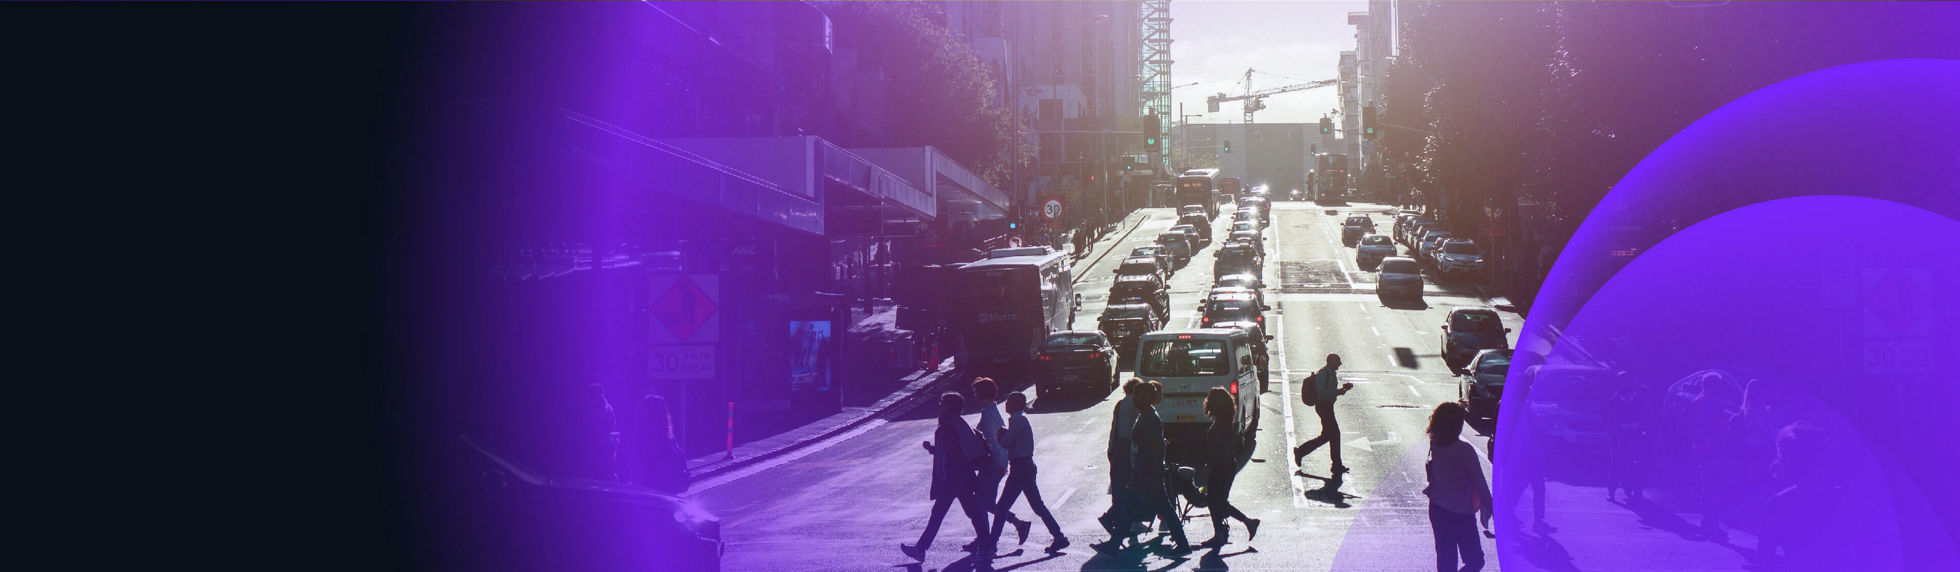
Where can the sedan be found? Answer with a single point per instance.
(1296, 195)
(1075, 360)
(1232, 308)
(1481, 386)
(1219, 292)
(1161, 254)
(1467, 331)
(1399, 276)
(1425, 250)
(1372, 249)
(1356, 227)
(1198, 240)
(1242, 280)
(1179, 245)
(1124, 324)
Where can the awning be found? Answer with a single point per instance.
(813, 167)
(961, 194)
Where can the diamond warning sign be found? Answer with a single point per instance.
(683, 308)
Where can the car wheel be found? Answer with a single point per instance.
(1041, 393)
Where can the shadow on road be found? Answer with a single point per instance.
(1329, 491)
(1214, 559)
(1406, 304)
(1065, 403)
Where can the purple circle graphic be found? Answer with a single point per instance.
(1767, 385)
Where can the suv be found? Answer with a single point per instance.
(1179, 244)
(1236, 258)
(1199, 222)
(1142, 288)
(1160, 254)
(1142, 266)
(1123, 324)
(1470, 330)
(1075, 360)
(1459, 255)
(1356, 227)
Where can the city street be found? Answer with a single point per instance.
(847, 503)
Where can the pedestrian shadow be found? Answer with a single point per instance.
(1214, 559)
(1329, 491)
(1066, 403)
(1018, 565)
(1544, 552)
(1131, 558)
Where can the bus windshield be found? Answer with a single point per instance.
(998, 287)
(1183, 358)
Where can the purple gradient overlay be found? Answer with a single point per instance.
(1820, 268)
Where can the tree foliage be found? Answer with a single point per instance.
(937, 92)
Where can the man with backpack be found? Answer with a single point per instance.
(1319, 390)
(956, 457)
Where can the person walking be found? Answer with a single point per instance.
(1627, 440)
(1458, 493)
(1147, 477)
(1224, 452)
(991, 427)
(1715, 451)
(1320, 391)
(662, 466)
(956, 455)
(1118, 519)
(1019, 440)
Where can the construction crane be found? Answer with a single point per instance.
(1256, 100)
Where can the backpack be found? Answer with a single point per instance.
(1310, 390)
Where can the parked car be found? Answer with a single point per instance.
(1144, 288)
(1179, 245)
(1399, 277)
(1163, 256)
(1459, 255)
(1198, 240)
(1235, 307)
(1198, 221)
(1481, 385)
(1371, 249)
(1568, 402)
(1123, 324)
(1425, 250)
(1356, 227)
(1142, 266)
(1414, 229)
(1467, 331)
(579, 524)
(1075, 360)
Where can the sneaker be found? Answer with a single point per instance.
(1217, 541)
(1251, 529)
(1338, 469)
(1180, 549)
(1057, 545)
(913, 552)
(1021, 531)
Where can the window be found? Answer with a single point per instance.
(1494, 364)
(1460, 248)
(1183, 358)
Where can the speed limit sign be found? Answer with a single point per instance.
(1051, 209)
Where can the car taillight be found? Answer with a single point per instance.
(1261, 319)
(1044, 357)
(1235, 387)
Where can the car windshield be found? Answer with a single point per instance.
(1132, 288)
(1357, 221)
(1182, 358)
(1124, 311)
(1375, 240)
(1474, 322)
(1399, 266)
(1168, 237)
(1150, 251)
(1494, 364)
(1460, 248)
(1073, 339)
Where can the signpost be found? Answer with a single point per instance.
(1051, 209)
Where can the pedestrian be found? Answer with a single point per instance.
(956, 457)
(1019, 439)
(1223, 455)
(1814, 524)
(1459, 495)
(598, 456)
(1147, 476)
(1319, 390)
(1716, 433)
(1118, 519)
(662, 466)
(1626, 440)
(991, 425)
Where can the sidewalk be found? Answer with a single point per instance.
(870, 396)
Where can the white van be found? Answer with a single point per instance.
(1188, 363)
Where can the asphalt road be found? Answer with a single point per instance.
(847, 503)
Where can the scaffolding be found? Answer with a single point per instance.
(1154, 75)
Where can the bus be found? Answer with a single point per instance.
(1229, 189)
(1010, 302)
(1199, 187)
(1330, 178)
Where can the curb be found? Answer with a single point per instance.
(928, 384)
(1118, 240)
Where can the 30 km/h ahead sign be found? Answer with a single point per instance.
(1051, 208)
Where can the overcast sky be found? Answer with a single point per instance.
(1216, 40)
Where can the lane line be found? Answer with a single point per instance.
(1286, 414)
(1062, 500)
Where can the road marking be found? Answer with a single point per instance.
(1412, 389)
(1064, 498)
(1377, 331)
(1286, 414)
(779, 461)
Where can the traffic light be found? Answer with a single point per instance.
(1153, 127)
(1211, 103)
(1228, 146)
(1313, 149)
(1326, 126)
(1129, 164)
(1368, 121)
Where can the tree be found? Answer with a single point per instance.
(937, 92)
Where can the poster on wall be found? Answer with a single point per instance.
(809, 369)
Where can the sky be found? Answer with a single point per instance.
(1216, 40)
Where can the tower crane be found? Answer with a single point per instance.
(1256, 100)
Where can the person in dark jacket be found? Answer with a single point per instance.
(1119, 518)
(957, 453)
(1458, 493)
(1148, 468)
(1222, 457)
(1018, 438)
(662, 466)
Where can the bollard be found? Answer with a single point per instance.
(731, 431)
